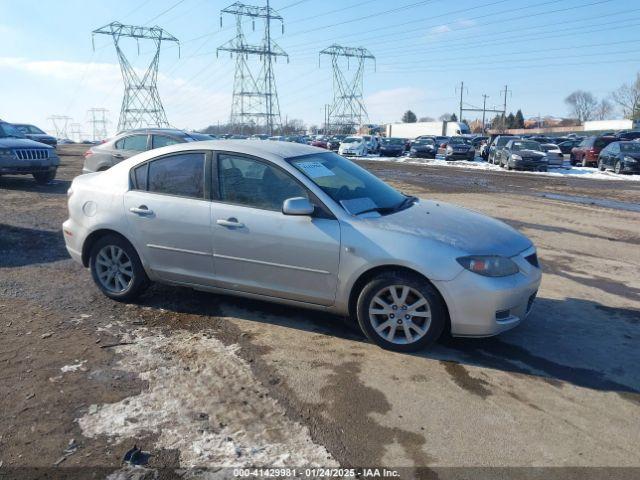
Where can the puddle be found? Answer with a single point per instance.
(616, 205)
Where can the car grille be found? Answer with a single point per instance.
(533, 260)
(32, 153)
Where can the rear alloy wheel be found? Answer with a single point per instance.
(42, 178)
(400, 312)
(618, 167)
(116, 268)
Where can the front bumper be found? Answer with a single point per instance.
(630, 168)
(12, 166)
(422, 153)
(525, 165)
(391, 153)
(484, 306)
(470, 155)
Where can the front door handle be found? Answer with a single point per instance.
(230, 222)
(142, 210)
(118, 155)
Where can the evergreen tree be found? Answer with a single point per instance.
(519, 123)
(409, 117)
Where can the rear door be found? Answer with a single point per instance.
(169, 215)
(257, 248)
(129, 146)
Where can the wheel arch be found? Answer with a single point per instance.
(366, 276)
(96, 235)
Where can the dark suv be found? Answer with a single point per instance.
(129, 143)
(34, 133)
(586, 153)
(21, 156)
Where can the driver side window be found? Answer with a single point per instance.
(252, 183)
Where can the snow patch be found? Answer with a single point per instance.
(73, 368)
(203, 400)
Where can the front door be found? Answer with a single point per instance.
(260, 250)
(169, 217)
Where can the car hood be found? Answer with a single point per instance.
(530, 153)
(10, 142)
(635, 155)
(43, 136)
(467, 231)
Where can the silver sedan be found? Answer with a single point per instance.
(299, 225)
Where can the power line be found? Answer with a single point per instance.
(164, 12)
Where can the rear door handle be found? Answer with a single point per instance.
(141, 210)
(230, 222)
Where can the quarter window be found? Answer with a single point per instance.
(181, 174)
(256, 184)
(137, 143)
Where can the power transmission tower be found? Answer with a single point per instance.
(60, 124)
(141, 105)
(98, 121)
(75, 132)
(255, 103)
(347, 110)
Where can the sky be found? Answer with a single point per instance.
(542, 49)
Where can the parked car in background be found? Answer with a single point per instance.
(495, 146)
(457, 148)
(34, 133)
(621, 157)
(320, 141)
(22, 156)
(628, 135)
(334, 142)
(277, 138)
(521, 154)
(373, 143)
(301, 226)
(259, 136)
(353, 146)
(567, 145)
(478, 141)
(555, 158)
(586, 153)
(423, 148)
(131, 142)
(391, 147)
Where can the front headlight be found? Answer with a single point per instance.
(5, 151)
(516, 157)
(630, 160)
(489, 266)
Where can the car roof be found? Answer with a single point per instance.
(171, 131)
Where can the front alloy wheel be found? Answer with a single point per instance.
(401, 312)
(618, 167)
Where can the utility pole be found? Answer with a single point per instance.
(506, 91)
(461, 94)
(347, 111)
(484, 111)
(141, 105)
(255, 98)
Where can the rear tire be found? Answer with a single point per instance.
(618, 167)
(601, 166)
(116, 268)
(408, 320)
(43, 178)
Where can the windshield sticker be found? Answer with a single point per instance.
(315, 169)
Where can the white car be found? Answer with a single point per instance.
(554, 154)
(353, 146)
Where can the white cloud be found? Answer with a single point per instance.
(389, 105)
(439, 30)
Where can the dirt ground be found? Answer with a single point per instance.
(201, 380)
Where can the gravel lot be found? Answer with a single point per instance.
(209, 381)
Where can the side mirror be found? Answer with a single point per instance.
(297, 206)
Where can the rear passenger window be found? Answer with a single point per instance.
(181, 174)
(137, 143)
(163, 141)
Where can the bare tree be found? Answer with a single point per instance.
(604, 110)
(628, 98)
(582, 105)
(446, 117)
(426, 119)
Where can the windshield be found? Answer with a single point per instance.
(549, 147)
(348, 184)
(424, 141)
(29, 129)
(8, 130)
(523, 145)
(630, 147)
(352, 140)
(457, 140)
(602, 142)
(393, 141)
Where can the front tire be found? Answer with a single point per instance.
(401, 312)
(618, 167)
(116, 268)
(43, 178)
(600, 166)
